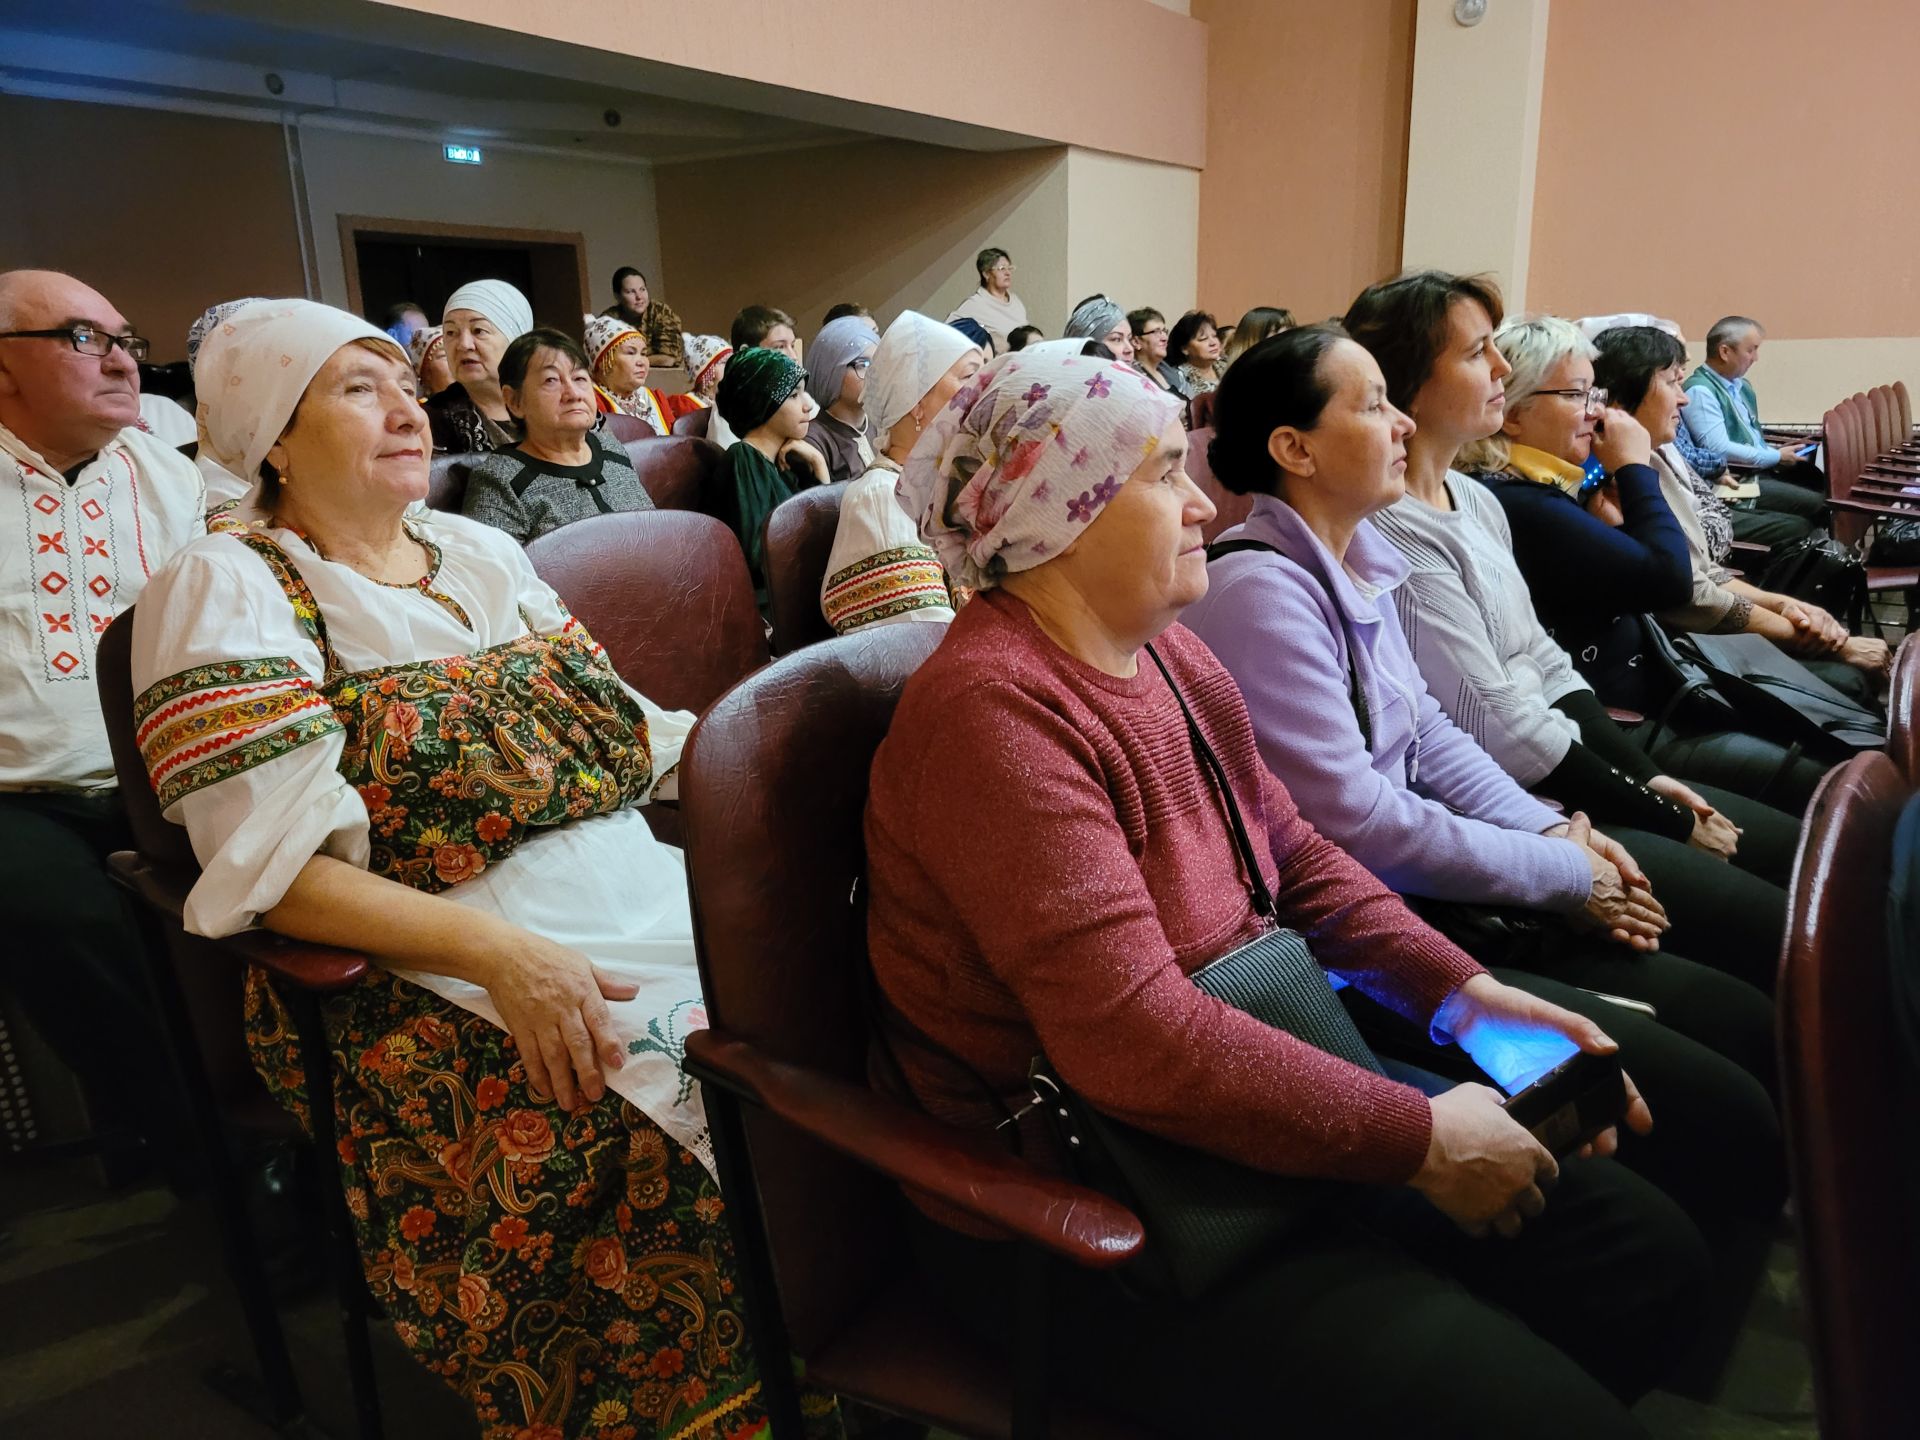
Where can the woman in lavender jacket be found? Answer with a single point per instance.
(1300, 610)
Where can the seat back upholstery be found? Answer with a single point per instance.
(1845, 1102)
(678, 473)
(1903, 710)
(1846, 446)
(1903, 408)
(630, 429)
(1886, 422)
(773, 788)
(154, 836)
(799, 543)
(447, 484)
(666, 593)
(1230, 509)
(694, 422)
(1200, 410)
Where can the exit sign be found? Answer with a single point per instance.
(461, 154)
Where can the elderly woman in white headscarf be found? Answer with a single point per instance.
(481, 319)
(837, 364)
(880, 572)
(383, 731)
(1068, 818)
(1098, 318)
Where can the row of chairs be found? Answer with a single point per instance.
(1848, 1095)
(810, 1156)
(1873, 477)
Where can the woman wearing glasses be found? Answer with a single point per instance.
(1150, 351)
(837, 364)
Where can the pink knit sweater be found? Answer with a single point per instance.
(1048, 862)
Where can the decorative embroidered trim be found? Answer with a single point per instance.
(883, 586)
(201, 725)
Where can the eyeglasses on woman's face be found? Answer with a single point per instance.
(1591, 398)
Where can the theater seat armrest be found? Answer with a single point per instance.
(1752, 547)
(964, 1169)
(1622, 716)
(1860, 507)
(309, 966)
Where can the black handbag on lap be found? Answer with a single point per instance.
(1205, 1216)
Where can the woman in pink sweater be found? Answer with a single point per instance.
(1048, 865)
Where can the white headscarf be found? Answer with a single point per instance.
(505, 306)
(252, 372)
(912, 356)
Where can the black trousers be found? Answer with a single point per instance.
(1773, 528)
(1749, 765)
(75, 957)
(1385, 1322)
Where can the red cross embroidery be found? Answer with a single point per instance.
(95, 546)
(100, 622)
(58, 624)
(56, 542)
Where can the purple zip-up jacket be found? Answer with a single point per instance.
(1423, 806)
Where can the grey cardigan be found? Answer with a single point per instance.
(526, 497)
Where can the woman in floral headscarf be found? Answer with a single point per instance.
(382, 730)
(1049, 861)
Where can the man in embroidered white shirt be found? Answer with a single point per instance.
(90, 506)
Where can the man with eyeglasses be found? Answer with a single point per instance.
(90, 506)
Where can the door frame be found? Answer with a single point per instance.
(375, 227)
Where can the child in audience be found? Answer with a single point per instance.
(763, 399)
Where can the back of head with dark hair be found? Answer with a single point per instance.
(753, 324)
(843, 310)
(1138, 320)
(1183, 332)
(1278, 382)
(620, 278)
(519, 356)
(1024, 335)
(401, 309)
(1630, 356)
(1403, 321)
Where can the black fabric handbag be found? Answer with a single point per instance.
(1779, 696)
(1895, 542)
(1205, 1216)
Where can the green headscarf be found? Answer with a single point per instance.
(757, 383)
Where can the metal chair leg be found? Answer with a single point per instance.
(281, 1404)
(349, 1282)
(766, 1322)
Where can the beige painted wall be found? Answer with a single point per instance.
(1057, 70)
(889, 224)
(1300, 200)
(132, 206)
(610, 203)
(1132, 233)
(1473, 134)
(1819, 242)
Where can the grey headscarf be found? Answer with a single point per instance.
(837, 346)
(1094, 319)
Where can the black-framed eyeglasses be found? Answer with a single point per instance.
(1591, 397)
(87, 339)
(862, 365)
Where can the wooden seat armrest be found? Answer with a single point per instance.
(311, 967)
(968, 1170)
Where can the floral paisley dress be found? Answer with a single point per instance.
(569, 1273)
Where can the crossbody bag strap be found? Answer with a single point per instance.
(1356, 697)
(1256, 883)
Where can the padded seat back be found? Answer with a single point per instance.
(1848, 1104)
(773, 790)
(694, 422)
(799, 543)
(1903, 710)
(679, 473)
(666, 593)
(630, 429)
(1231, 508)
(447, 485)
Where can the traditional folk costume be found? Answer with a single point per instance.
(647, 404)
(880, 571)
(568, 1273)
